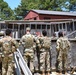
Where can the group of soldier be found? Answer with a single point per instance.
(41, 45)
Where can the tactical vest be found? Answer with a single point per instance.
(29, 41)
(46, 42)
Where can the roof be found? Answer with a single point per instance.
(54, 12)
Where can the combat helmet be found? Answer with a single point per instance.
(28, 28)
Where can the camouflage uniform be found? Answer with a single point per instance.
(1, 36)
(63, 45)
(45, 53)
(28, 41)
(8, 45)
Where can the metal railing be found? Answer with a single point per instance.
(72, 34)
(21, 67)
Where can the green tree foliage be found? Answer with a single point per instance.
(72, 5)
(6, 13)
(24, 7)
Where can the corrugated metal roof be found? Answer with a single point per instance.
(54, 12)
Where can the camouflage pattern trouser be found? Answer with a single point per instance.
(7, 67)
(44, 61)
(62, 62)
(29, 58)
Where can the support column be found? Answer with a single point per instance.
(30, 25)
(66, 27)
(50, 30)
(18, 30)
(55, 27)
(46, 27)
(36, 27)
(58, 27)
(62, 26)
(13, 31)
(24, 28)
(41, 28)
(73, 26)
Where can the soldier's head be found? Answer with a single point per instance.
(8, 32)
(60, 34)
(44, 32)
(28, 29)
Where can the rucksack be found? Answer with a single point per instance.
(7, 47)
(64, 44)
(29, 41)
(46, 42)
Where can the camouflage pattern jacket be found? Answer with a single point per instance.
(8, 46)
(63, 45)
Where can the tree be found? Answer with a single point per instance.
(6, 13)
(24, 7)
(72, 5)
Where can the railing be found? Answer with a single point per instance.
(71, 35)
(21, 67)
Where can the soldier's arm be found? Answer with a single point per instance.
(57, 47)
(1, 53)
(22, 42)
(15, 45)
(37, 42)
(50, 44)
(68, 44)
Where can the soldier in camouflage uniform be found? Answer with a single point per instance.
(63, 46)
(45, 53)
(29, 43)
(1, 36)
(8, 45)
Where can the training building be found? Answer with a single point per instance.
(48, 15)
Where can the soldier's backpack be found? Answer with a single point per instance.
(29, 41)
(46, 42)
(7, 47)
(64, 44)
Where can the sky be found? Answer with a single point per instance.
(13, 3)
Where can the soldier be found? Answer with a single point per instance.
(8, 45)
(45, 53)
(1, 36)
(63, 46)
(28, 41)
